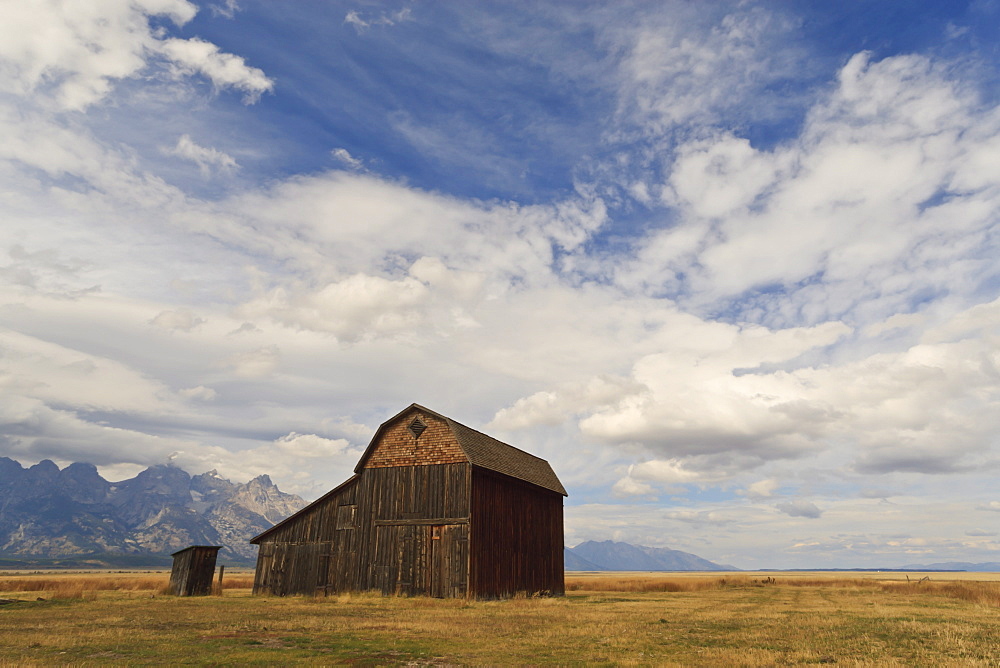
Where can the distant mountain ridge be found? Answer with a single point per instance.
(47, 513)
(612, 556)
(986, 567)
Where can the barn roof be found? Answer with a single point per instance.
(484, 452)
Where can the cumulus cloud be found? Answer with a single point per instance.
(75, 51)
(665, 471)
(824, 301)
(860, 199)
(905, 411)
(358, 306)
(311, 445)
(555, 407)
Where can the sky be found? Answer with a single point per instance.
(732, 268)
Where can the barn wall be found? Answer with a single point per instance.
(387, 544)
(300, 556)
(398, 508)
(516, 537)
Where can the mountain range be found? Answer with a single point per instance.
(987, 567)
(73, 516)
(611, 556)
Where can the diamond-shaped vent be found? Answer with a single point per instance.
(417, 427)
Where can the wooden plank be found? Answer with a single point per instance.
(419, 522)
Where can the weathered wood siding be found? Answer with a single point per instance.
(516, 538)
(386, 542)
(311, 553)
(193, 571)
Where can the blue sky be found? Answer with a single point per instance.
(731, 267)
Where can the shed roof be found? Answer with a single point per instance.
(197, 547)
(483, 451)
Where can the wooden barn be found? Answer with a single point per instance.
(434, 508)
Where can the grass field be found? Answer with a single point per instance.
(733, 619)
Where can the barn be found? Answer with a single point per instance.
(434, 508)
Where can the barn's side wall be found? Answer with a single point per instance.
(389, 544)
(516, 537)
(300, 556)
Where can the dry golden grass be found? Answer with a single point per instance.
(982, 592)
(57, 584)
(635, 619)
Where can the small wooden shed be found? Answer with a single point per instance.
(434, 508)
(193, 570)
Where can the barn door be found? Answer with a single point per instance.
(449, 558)
(397, 553)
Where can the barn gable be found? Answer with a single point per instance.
(418, 436)
(415, 437)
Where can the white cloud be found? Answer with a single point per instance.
(74, 51)
(227, 8)
(39, 370)
(930, 408)
(344, 156)
(813, 315)
(311, 446)
(255, 363)
(721, 176)
(200, 393)
(356, 307)
(555, 407)
(224, 70)
(683, 71)
(889, 185)
(628, 486)
(183, 320)
(762, 489)
(206, 158)
(664, 471)
(361, 24)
